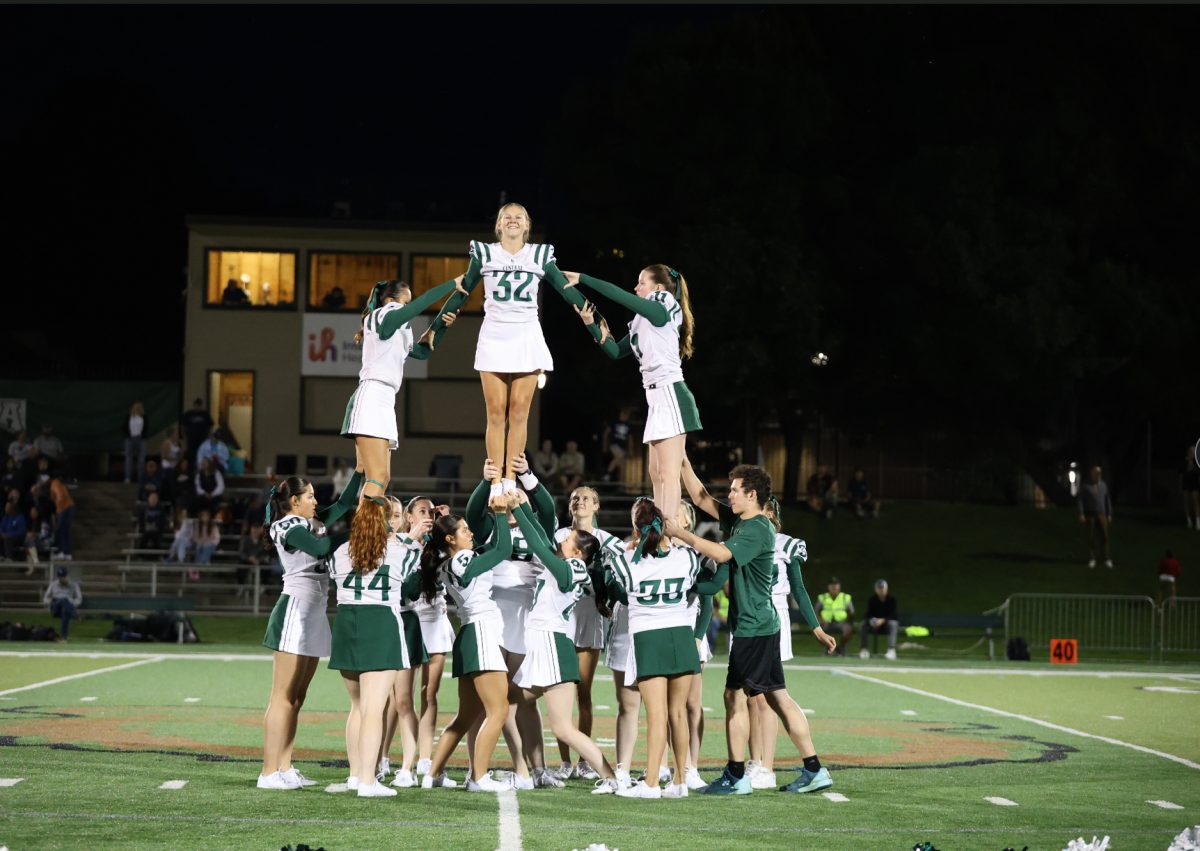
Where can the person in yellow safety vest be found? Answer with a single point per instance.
(720, 617)
(835, 611)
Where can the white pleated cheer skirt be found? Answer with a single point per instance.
(508, 347)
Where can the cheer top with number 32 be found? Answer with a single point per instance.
(511, 281)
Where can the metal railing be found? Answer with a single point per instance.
(1097, 621)
(1179, 625)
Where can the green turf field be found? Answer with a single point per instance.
(916, 752)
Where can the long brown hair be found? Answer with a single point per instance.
(382, 290)
(674, 283)
(645, 512)
(435, 554)
(369, 533)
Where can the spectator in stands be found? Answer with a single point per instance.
(181, 544)
(341, 477)
(214, 448)
(835, 611)
(152, 481)
(570, 467)
(12, 477)
(22, 451)
(251, 548)
(822, 492)
(860, 495)
(882, 616)
(335, 299)
(182, 493)
(197, 425)
(206, 534)
(720, 617)
(64, 514)
(47, 444)
(13, 530)
(616, 442)
(209, 485)
(135, 441)
(64, 598)
(1095, 512)
(1168, 576)
(152, 522)
(171, 449)
(545, 461)
(1189, 484)
(233, 295)
(38, 538)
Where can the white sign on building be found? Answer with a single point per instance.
(12, 415)
(327, 347)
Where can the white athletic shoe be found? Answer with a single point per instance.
(761, 778)
(606, 786)
(487, 783)
(676, 790)
(375, 790)
(404, 779)
(351, 783)
(385, 768)
(891, 653)
(585, 772)
(509, 485)
(692, 778)
(623, 778)
(521, 783)
(544, 778)
(430, 781)
(423, 766)
(1091, 562)
(664, 774)
(496, 490)
(294, 776)
(864, 654)
(640, 790)
(1108, 563)
(277, 780)
(565, 771)
(752, 767)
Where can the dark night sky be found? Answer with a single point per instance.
(1078, 124)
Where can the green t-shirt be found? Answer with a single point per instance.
(751, 573)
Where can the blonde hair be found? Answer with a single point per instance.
(686, 508)
(585, 489)
(674, 283)
(528, 220)
(393, 502)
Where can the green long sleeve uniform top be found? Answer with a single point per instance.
(302, 539)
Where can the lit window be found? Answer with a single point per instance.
(245, 279)
(343, 282)
(429, 270)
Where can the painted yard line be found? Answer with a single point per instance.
(86, 699)
(10, 781)
(207, 657)
(173, 784)
(191, 700)
(980, 671)
(1166, 805)
(836, 797)
(1000, 802)
(335, 788)
(1115, 717)
(907, 712)
(603, 706)
(510, 821)
(70, 677)
(1048, 724)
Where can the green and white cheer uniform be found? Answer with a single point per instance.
(414, 632)
(510, 338)
(467, 577)
(550, 651)
(367, 631)
(589, 628)
(660, 624)
(654, 340)
(386, 345)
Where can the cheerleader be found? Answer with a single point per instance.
(700, 610)
(369, 646)
(450, 561)
(662, 656)
(589, 625)
(790, 555)
(387, 340)
(550, 668)
(660, 337)
(298, 629)
(511, 351)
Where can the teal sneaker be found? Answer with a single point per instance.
(809, 781)
(727, 784)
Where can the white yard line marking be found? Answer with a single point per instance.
(191, 700)
(334, 788)
(86, 699)
(173, 784)
(986, 671)
(80, 676)
(603, 706)
(1166, 805)
(707, 708)
(1172, 689)
(1000, 802)
(836, 797)
(1048, 724)
(808, 711)
(10, 781)
(510, 821)
(206, 657)
(1115, 717)
(907, 712)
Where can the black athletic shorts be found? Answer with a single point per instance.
(754, 664)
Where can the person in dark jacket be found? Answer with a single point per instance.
(1095, 512)
(882, 617)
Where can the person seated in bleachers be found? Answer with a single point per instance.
(151, 481)
(47, 444)
(206, 534)
(835, 612)
(882, 618)
(13, 530)
(12, 479)
(152, 523)
(570, 467)
(209, 485)
(860, 495)
(181, 544)
(214, 448)
(181, 493)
